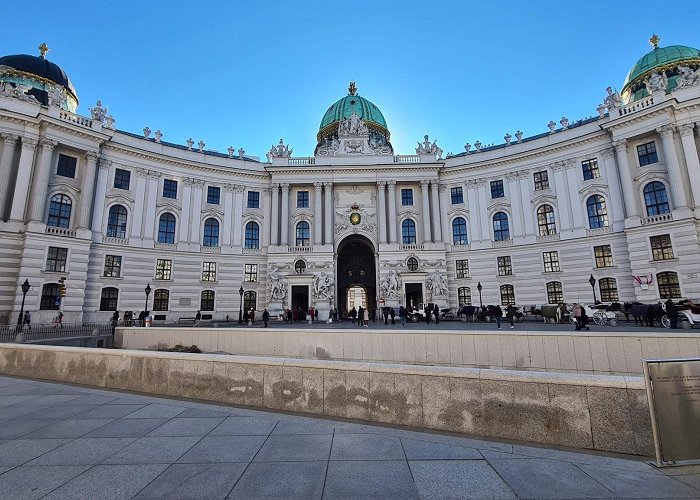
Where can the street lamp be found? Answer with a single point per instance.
(25, 288)
(240, 311)
(591, 280)
(479, 287)
(148, 292)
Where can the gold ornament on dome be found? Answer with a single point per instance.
(43, 49)
(352, 89)
(654, 40)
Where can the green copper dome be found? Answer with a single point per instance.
(661, 57)
(344, 107)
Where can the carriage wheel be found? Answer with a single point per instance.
(665, 321)
(600, 318)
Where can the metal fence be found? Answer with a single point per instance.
(83, 334)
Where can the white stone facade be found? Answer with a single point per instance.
(351, 190)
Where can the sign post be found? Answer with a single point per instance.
(673, 391)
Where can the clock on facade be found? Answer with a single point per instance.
(355, 218)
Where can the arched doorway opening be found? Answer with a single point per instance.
(357, 275)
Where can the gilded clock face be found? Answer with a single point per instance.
(355, 218)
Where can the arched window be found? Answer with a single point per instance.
(655, 199)
(206, 302)
(408, 232)
(464, 296)
(300, 266)
(166, 228)
(116, 222)
(59, 211)
(108, 299)
(608, 290)
(50, 297)
(555, 294)
(597, 212)
(545, 220)
(459, 231)
(252, 235)
(211, 233)
(501, 232)
(303, 234)
(507, 295)
(669, 288)
(250, 299)
(161, 299)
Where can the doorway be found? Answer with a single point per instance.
(357, 297)
(357, 275)
(414, 295)
(300, 298)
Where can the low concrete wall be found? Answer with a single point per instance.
(583, 411)
(616, 352)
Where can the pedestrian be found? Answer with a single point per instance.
(436, 312)
(360, 316)
(671, 312)
(498, 314)
(366, 316)
(197, 318)
(392, 313)
(584, 318)
(385, 314)
(115, 318)
(576, 311)
(265, 317)
(427, 312)
(28, 320)
(316, 314)
(510, 314)
(402, 315)
(353, 314)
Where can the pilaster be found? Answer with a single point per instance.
(87, 188)
(24, 172)
(8, 154)
(40, 182)
(394, 196)
(381, 210)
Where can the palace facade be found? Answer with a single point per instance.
(90, 215)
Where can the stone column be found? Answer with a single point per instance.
(328, 214)
(274, 218)
(516, 207)
(435, 210)
(562, 192)
(474, 216)
(24, 172)
(690, 151)
(40, 183)
(151, 200)
(265, 229)
(139, 203)
(87, 189)
(394, 194)
(318, 213)
(571, 181)
(524, 192)
(444, 203)
(483, 210)
(98, 208)
(228, 215)
(284, 219)
(426, 209)
(8, 154)
(628, 189)
(612, 176)
(381, 210)
(238, 216)
(675, 177)
(184, 219)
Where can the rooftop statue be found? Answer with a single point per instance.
(687, 77)
(656, 82)
(613, 99)
(279, 151)
(98, 112)
(428, 148)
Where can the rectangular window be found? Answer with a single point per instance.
(608, 290)
(213, 195)
(206, 302)
(113, 266)
(647, 153)
(209, 271)
(169, 188)
(464, 296)
(302, 199)
(456, 195)
(507, 295)
(590, 169)
(497, 189)
(603, 256)
(406, 197)
(251, 273)
(504, 266)
(462, 268)
(66, 166)
(161, 300)
(541, 180)
(661, 248)
(56, 259)
(253, 199)
(122, 179)
(164, 269)
(551, 262)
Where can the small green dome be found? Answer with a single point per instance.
(344, 107)
(661, 57)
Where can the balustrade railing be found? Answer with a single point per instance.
(598, 231)
(205, 249)
(60, 231)
(166, 246)
(114, 241)
(45, 333)
(299, 249)
(302, 161)
(406, 159)
(547, 237)
(636, 106)
(75, 119)
(655, 219)
(418, 246)
(250, 251)
(502, 243)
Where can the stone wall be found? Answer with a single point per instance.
(617, 352)
(598, 412)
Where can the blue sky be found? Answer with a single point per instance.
(249, 73)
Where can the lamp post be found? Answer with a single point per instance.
(591, 280)
(148, 292)
(481, 303)
(240, 310)
(25, 288)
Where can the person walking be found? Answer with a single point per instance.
(510, 314)
(436, 312)
(402, 315)
(353, 314)
(360, 316)
(427, 312)
(366, 316)
(498, 314)
(671, 312)
(392, 313)
(28, 321)
(197, 319)
(265, 317)
(584, 319)
(576, 311)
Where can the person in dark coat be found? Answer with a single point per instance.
(498, 314)
(672, 313)
(510, 314)
(353, 314)
(28, 320)
(436, 312)
(427, 312)
(265, 317)
(403, 314)
(360, 316)
(392, 313)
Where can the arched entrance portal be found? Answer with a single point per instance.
(357, 275)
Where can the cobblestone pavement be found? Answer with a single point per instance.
(62, 441)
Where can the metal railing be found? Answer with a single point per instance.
(57, 333)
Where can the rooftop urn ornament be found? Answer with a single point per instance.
(507, 138)
(158, 135)
(477, 145)
(564, 122)
(241, 153)
(279, 151)
(201, 145)
(43, 49)
(467, 147)
(654, 40)
(189, 143)
(518, 135)
(230, 150)
(552, 125)
(146, 132)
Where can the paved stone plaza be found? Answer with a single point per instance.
(63, 441)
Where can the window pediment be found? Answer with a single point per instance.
(121, 198)
(543, 198)
(649, 174)
(168, 204)
(64, 187)
(594, 188)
